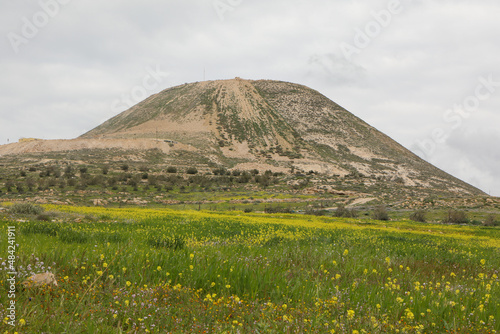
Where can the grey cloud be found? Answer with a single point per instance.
(91, 53)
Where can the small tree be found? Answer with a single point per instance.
(491, 221)
(456, 217)
(69, 172)
(380, 213)
(9, 185)
(342, 211)
(419, 216)
(192, 171)
(30, 183)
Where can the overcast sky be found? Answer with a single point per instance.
(426, 73)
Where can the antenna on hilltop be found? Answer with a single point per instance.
(204, 72)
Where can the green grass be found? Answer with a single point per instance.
(139, 270)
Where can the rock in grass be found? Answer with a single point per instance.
(39, 280)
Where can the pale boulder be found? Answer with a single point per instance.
(39, 280)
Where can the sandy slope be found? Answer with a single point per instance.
(37, 146)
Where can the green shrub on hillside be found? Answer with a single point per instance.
(456, 217)
(26, 209)
(419, 216)
(380, 213)
(342, 211)
(192, 171)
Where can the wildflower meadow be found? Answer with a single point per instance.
(140, 270)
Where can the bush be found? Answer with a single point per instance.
(244, 178)
(69, 172)
(220, 171)
(26, 209)
(171, 170)
(419, 216)
(491, 221)
(192, 170)
(314, 212)
(277, 209)
(47, 216)
(456, 217)
(342, 211)
(380, 213)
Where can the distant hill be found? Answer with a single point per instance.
(238, 123)
(264, 125)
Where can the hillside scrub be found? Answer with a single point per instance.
(380, 213)
(456, 217)
(26, 209)
(419, 216)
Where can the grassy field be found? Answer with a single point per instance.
(128, 270)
